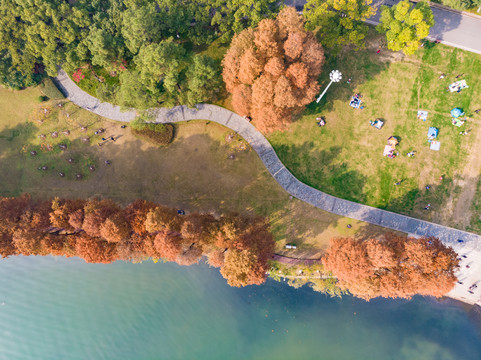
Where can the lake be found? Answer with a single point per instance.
(56, 308)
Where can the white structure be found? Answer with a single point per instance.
(335, 76)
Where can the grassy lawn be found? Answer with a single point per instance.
(195, 172)
(345, 158)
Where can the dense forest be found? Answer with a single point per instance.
(149, 43)
(99, 231)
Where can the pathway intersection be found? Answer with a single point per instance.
(462, 242)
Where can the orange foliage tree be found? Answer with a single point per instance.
(272, 71)
(395, 266)
(99, 231)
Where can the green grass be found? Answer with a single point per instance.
(345, 157)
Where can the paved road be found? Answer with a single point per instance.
(471, 243)
(452, 27)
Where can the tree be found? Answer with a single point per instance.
(45, 32)
(141, 25)
(132, 93)
(26, 242)
(395, 266)
(168, 245)
(61, 211)
(339, 22)
(233, 16)
(102, 46)
(162, 218)
(115, 228)
(203, 80)
(272, 71)
(241, 268)
(405, 27)
(216, 258)
(157, 61)
(99, 232)
(136, 213)
(93, 250)
(96, 213)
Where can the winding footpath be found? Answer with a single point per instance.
(464, 243)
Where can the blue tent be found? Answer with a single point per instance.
(432, 133)
(457, 112)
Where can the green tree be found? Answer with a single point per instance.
(404, 26)
(203, 80)
(44, 32)
(132, 93)
(159, 65)
(187, 20)
(339, 22)
(141, 25)
(233, 16)
(11, 77)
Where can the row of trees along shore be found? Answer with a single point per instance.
(99, 231)
(394, 266)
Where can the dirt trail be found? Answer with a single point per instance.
(461, 215)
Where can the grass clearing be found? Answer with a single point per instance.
(345, 158)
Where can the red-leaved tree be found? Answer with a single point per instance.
(272, 71)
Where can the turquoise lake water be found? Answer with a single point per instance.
(56, 308)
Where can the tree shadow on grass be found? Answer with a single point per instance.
(12, 156)
(320, 170)
(360, 66)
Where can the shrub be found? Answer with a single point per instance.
(51, 91)
(159, 134)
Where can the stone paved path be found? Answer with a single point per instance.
(461, 241)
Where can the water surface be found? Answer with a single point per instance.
(56, 308)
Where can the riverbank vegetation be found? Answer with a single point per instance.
(99, 231)
(395, 266)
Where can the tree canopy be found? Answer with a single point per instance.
(154, 39)
(272, 70)
(395, 266)
(99, 231)
(339, 22)
(405, 26)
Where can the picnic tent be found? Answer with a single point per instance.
(457, 122)
(432, 133)
(422, 115)
(458, 86)
(355, 102)
(392, 141)
(457, 112)
(389, 151)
